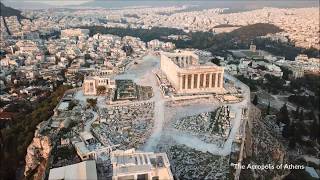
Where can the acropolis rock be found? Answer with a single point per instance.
(37, 151)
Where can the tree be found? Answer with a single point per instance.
(255, 100)
(288, 130)
(101, 90)
(283, 115)
(274, 84)
(314, 131)
(17, 138)
(286, 72)
(216, 61)
(92, 102)
(71, 105)
(285, 131)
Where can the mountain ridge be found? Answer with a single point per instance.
(8, 11)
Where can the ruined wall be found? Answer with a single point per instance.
(170, 70)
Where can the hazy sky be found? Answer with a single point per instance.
(52, 2)
(121, 3)
(62, 2)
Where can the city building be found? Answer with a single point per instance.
(253, 48)
(135, 165)
(91, 83)
(297, 72)
(27, 46)
(83, 152)
(301, 57)
(82, 170)
(154, 44)
(186, 75)
(74, 32)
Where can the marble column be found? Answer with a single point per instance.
(198, 82)
(192, 81)
(210, 80)
(221, 80)
(216, 84)
(180, 81)
(213, 79)
(186, 81)
(195, 81)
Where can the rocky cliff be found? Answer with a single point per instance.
(38, 152)
(262, 148)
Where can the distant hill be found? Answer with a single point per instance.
(252, 31)
(28, 4)
(240, 38)
(8, 11)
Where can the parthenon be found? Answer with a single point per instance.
(186, 75)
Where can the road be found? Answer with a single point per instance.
(159, 110)
(142, 74)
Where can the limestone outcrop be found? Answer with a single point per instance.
(37, 152)
(264, 149)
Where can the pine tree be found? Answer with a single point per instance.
(288, 130)
(283, 115)
(285, 131)
(255, 100)
(315, 130)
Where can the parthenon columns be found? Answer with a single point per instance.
(198, 81)
(180, 81)
(192, 81)
(186, 81)
(201, 80)
(210, 80)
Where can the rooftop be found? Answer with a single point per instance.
(131, 161)
(83, 170)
